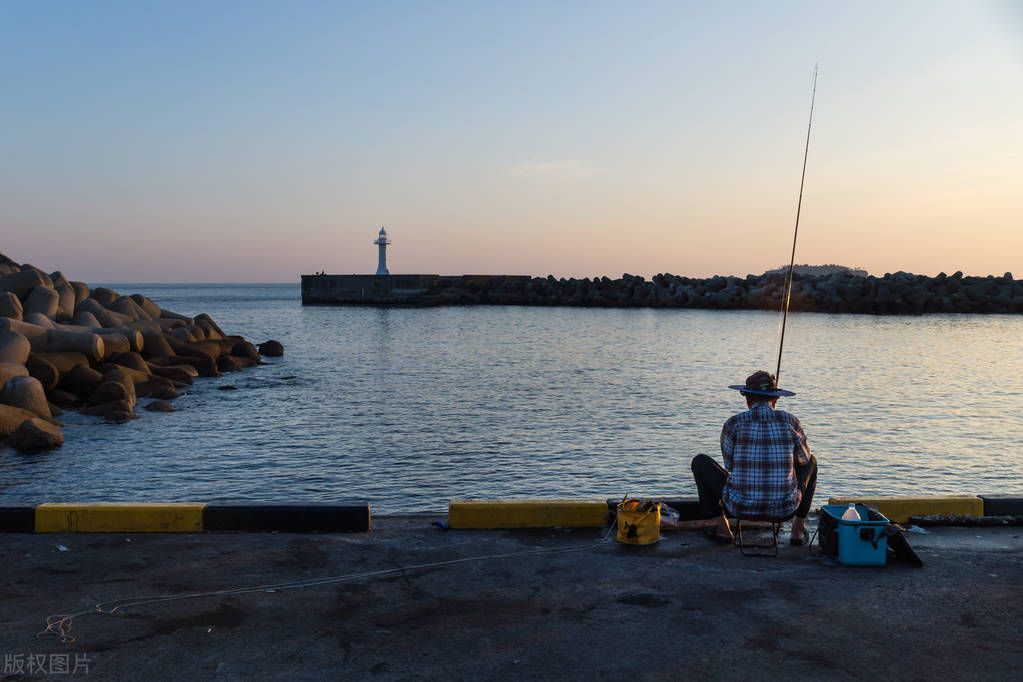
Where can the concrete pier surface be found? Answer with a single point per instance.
(684, 608)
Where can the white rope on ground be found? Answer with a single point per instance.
(59, 626)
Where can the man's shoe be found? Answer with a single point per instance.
(712, 533)
(798, 538)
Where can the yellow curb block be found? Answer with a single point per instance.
(114, 517)
(496, 514)
(899, 509)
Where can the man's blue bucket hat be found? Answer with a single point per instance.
(762, 383)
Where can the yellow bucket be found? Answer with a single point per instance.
(639, 527)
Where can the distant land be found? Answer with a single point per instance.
(818, 270)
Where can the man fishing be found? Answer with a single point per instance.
(769, 470)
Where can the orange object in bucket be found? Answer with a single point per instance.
(639, 523)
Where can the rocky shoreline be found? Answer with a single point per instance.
(900, 293)
(66, 346)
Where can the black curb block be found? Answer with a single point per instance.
(18, 519)
(688, 508)
(1002, 505)
(348, 517)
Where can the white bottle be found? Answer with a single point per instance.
(851, 514)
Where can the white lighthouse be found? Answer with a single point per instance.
(382, 241)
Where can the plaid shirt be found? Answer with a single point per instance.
(760, 448)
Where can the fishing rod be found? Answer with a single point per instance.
(795, 235)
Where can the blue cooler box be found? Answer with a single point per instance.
(860, 543)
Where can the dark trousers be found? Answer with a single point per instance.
(710, 480)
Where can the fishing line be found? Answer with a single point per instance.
(799, 206)
(59, 626)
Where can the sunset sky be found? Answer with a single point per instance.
(256, 141)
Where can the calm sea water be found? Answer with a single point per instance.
(410, 407)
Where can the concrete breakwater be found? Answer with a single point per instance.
(900, 293)
(66, 346)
